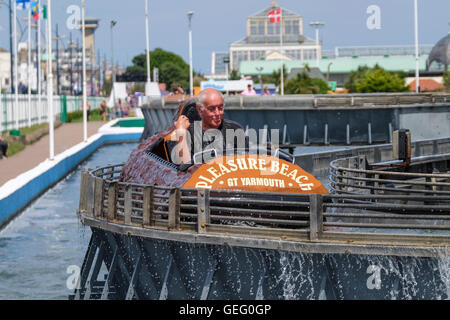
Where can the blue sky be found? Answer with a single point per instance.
(216, 24)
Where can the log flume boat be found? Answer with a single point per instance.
(250, 224)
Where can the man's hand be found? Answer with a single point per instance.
(182, 123)
(181, 154)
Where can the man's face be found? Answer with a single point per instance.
(212, 112)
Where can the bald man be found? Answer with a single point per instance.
(209, 104)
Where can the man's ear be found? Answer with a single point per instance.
(198, 109)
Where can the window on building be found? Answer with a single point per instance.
(239, 56)
(256, 54)
(273, 28)
(309, 54)
(294, 54)
(291, 27)
(288, 26)
(256, 27)
(295, 27)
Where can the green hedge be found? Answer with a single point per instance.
(77, 116)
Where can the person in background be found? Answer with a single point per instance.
(3, 148)
(126, 109)
(249, 92)
(266, 92)
(119, 110)
(88, 109)
(103, 110)
(178, 90)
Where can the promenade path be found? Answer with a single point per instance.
(66, 136)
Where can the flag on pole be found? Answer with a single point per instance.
(23, 4)
(35, 10)
(274, 15)
(44, 12)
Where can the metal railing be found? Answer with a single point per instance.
(368, 218)
(367, 100)
(25, 114)
(354, 176)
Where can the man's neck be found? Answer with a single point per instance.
(204, 127)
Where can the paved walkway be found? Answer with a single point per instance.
(66, 136)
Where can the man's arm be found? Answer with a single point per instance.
(181, 153)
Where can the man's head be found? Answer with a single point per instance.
(210, 108)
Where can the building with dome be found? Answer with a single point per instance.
(439, 58)
(262, 41)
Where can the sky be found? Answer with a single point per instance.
(216, 24)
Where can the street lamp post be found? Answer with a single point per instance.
(317, 24)
(29, 67)
(38, 58)
(416, 36)
(16, 70)
(113, 75)
(50, 79)
(328, 71)
(11, 46)
(148, 47)
(83, 29)
(191, 80)
(259, 69)
(71, 65)
(57, 62)
(226, 61)
(11, 57)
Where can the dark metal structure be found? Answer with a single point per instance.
(320, 119)
(155, 242)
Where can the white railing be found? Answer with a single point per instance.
(26, 114)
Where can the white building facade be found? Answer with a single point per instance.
(263, 39)
(5, 70)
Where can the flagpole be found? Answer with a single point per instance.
(38, 58)
(148, 45)
(84, 73)
(16, 68)
(416, 40)
(29, 66)
(281, 52)
(50, 79)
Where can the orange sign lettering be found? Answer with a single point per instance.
(254, 173)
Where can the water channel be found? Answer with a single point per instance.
(41, 248)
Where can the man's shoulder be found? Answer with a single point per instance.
(230, 124)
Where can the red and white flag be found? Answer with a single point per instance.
(274, 15)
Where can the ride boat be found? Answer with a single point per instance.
(251, 225)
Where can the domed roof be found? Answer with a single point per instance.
(440, 52)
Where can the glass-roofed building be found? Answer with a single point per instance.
(263, 39)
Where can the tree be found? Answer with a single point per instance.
(170, 73)
(198, 78)
(107, 87)
(276, 76)
(304, 84)
(177, 69)
(446, 79)
(234, 75)
(380, 80)
(354, 77)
